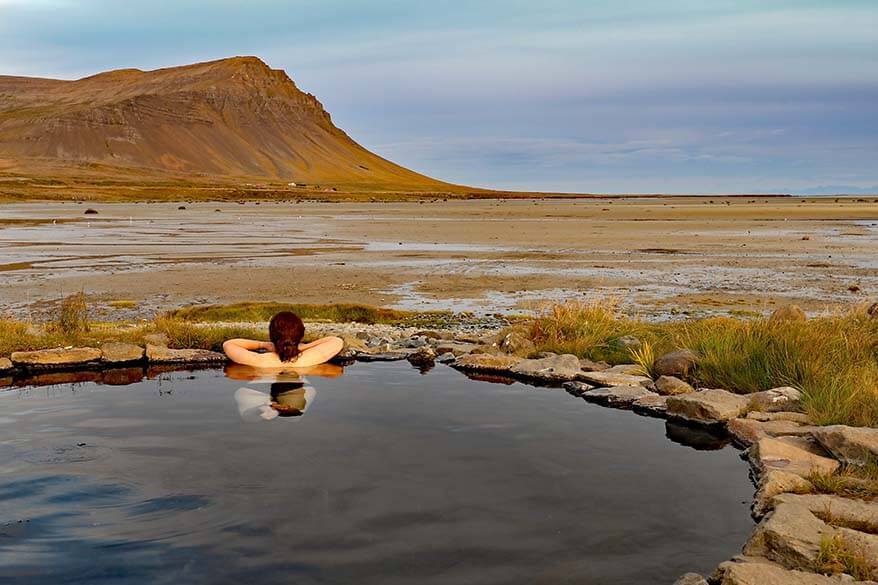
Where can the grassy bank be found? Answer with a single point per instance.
(18, 336)
(203, 327)
(833, 360)
(342, 313)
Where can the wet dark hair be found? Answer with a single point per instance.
(286, 331)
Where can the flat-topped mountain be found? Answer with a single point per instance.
(227, 119)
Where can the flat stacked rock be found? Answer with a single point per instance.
(617, 396)
(163, 355)
(707, 407)
(608, 379)
(56, 358)
(855, 445)
(115, 352)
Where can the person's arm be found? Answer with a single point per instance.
(242, 351)
(250, 344)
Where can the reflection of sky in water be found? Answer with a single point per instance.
(392, 477)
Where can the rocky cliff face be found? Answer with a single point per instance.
(230, 118)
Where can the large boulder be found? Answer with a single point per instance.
(747, 431)
(791, 454)
(856, 445)
(626, 342)
(789, 535)
(164, 355)
(774, 482)
(56, 358)
(680, 363)
(617, 396)
(5, 365)
(514, 342)
(651, 405)
(423, 358)
(780, 399)
(559, 368)
(486, 363)
(708, 407)
(788, 313)
(671, 386)
(691, 579)
(613, 379)
(758, 571)
(836, 509)
(116, 352)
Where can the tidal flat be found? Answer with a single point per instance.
(657, 256)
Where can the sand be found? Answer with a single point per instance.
(657, 257)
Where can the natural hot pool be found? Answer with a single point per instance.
(389, 477)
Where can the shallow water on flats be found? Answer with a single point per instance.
(389, 477)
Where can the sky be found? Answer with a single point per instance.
(616, 96)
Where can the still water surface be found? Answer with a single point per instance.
(389, 477)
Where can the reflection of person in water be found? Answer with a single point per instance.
(290, 394)
(286, 399)
(251, 374)
(291, 399)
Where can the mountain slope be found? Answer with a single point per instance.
(228, 119)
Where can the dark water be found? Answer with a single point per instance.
(389, 477)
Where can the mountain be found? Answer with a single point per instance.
(232, 119)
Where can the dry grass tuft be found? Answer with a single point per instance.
(644, 356)
(851, 481)
(73, 315)
(839, 556)
(833, 360)
(338, 313)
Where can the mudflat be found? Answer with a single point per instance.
(656, 256)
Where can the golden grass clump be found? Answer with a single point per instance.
(837, 555)
(184, 334)
(851, 481)
(644, 356)
(833, 360)
(73, 314)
